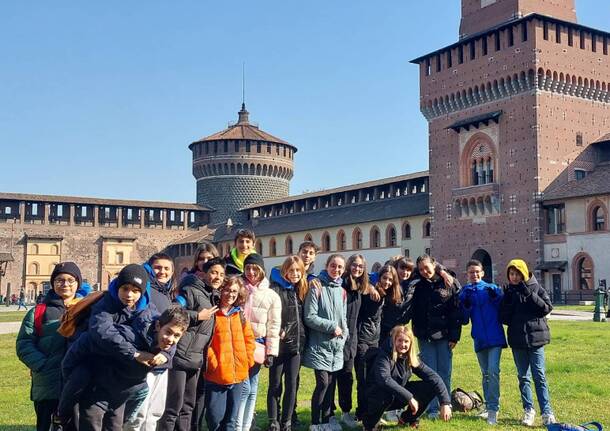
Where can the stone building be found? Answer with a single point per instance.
(101, 235)
(519, 96)
(240, 166)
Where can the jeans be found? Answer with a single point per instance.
(152, 407)
(247, 403)
(530, 363)
(489, 361)
(222, 404)
(438, 356)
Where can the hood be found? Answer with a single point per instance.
(373, 278)
(520, 266)
(276, 277)
(325, 278)
(83, 290)
(231, 312)
(264, 284)
(142, 303)
(164, 288)
(193, 280)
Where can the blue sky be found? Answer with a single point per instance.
(103, 98)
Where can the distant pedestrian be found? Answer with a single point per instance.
(39, 298)
(21, 302)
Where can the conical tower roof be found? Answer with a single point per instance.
(244, 130)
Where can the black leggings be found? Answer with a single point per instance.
(380, 399)
(288, 367)
(361, 371)
(181, 395)
(322, 397)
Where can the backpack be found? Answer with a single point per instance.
(39, 317)
(569, 427)
(462, 401)
(77, 314)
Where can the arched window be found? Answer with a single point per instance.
(341, 242)
(288, 245)
(54, 249)
(477, 163)
(308, 237)
(34, 268)
(598, 220)
(272, 247)
(406, 230)
(34, 249)
(375, 239)
(325, 241)
(427, 229)
(390, 236)
(357, 239)
(259, 247)
(583, 272)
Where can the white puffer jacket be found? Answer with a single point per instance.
(263, 310)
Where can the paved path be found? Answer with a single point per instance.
(571, 315)
(9, 327)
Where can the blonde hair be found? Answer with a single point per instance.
(412, 358)
(301, 287)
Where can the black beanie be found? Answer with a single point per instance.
(133, 274)
(254, 259)
(67, 268)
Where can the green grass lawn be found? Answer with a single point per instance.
(12, 316)
(578, 370)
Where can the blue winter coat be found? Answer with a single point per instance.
(480, 304)
(324, 310)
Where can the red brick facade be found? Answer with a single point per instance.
(546, 81)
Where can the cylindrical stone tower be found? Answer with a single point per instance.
(240, 166)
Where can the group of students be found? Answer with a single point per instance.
(155, 353)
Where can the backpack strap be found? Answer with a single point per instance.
(38, 318)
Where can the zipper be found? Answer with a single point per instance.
(296, 303)
(231, 336)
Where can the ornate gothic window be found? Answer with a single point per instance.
(478, 161)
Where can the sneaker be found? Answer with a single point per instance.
(483, 414)
(349, 420)
(315, 428)
(528, 417)
(548, 418)
(492, 418)
(273, 426)
(333, 424)
(392, 416)
(383, 422)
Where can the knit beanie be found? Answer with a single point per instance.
(133, 274)
(67, 268)
(254, 259)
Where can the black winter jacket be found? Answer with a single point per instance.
(369, 322)
(195, 296)
(354, 301)
(434, 309)
(389, 378)
(292, 326)
(524, 309)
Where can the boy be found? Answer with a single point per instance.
(244, 245)
(307, 252)
(523, 310)
(480, 303)
(199, 298)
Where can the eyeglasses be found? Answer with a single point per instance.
(61, 282)
(357, 266)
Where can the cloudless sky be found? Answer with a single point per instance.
(102, 99)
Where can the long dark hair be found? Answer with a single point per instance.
(361, 284)
(204, 247)
(395, 291)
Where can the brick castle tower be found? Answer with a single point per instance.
(510, 107)
(240, 166)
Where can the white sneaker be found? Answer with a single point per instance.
(528, 417)
(349, 420)
(548, 419)
(483, 414)
(333, 424)
(492, 418)
(314, 428)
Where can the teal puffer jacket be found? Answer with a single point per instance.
(323, 311)
(43, 353)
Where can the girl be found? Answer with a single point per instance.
(394, 311)
(390, 388)
(290, 283)
(204, 252)
(356, 284)
(436, 318)
(230, 356)
(325, 316)
(146, 408)
(41, 348)
(404, 268)
(523, 310)
(263, 310)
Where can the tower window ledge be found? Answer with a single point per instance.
(475, 191)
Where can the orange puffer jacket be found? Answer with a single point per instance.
(231, 351)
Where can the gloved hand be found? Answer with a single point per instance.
(491, 292)
(269, 361)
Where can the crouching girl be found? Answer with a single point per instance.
(230, 357)
(389, 387)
